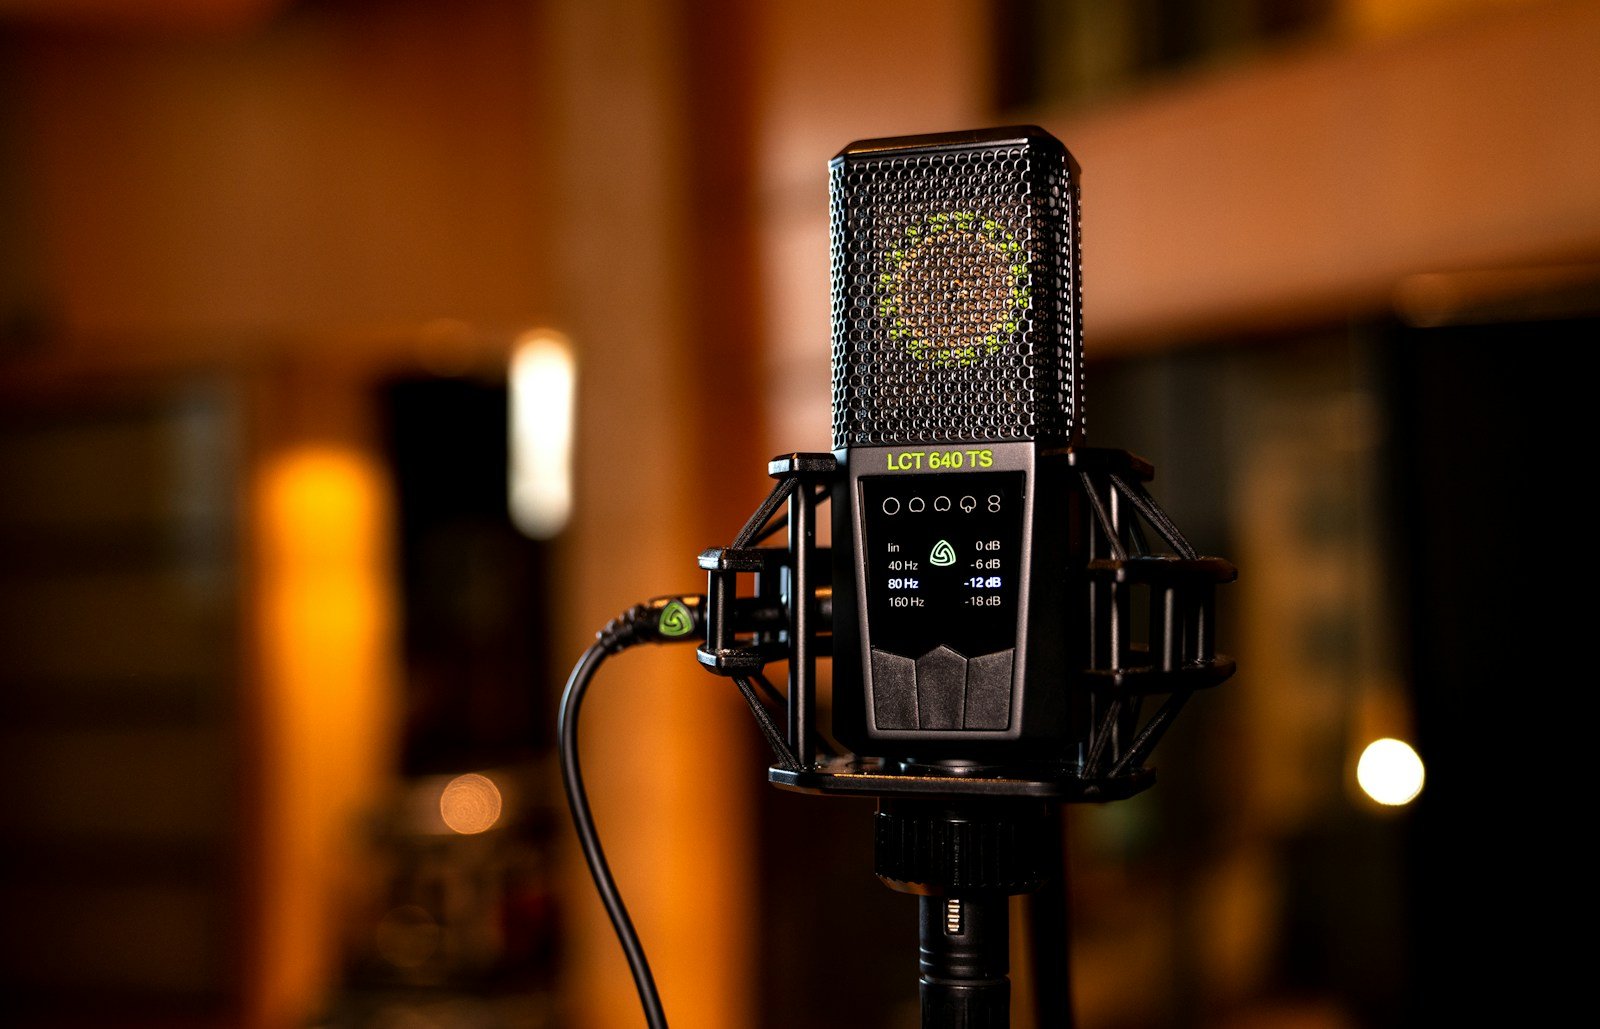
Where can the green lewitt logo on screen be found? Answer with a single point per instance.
(944, 555)
(676, 620)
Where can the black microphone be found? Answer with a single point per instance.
(957, 372)
(1002, 605)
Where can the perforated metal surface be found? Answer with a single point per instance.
(955, 290)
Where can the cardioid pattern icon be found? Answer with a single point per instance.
(956, 288)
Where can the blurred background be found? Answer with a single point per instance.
(358, 359)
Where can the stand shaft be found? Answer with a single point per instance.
(965, 961)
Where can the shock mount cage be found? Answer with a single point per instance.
(1168, 653)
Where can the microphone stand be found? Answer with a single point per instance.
(963, 837)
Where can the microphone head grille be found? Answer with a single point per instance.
(955, 290)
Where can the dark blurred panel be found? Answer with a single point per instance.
(1255, 883)
(118, 703)
(839, 948)
(475, 598)
(457, 924)
(1051, 53)
(1477, 409)
(1373, 485)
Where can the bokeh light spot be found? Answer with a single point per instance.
(470, 803)
(1390, 772)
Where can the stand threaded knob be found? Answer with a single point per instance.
(932, 849)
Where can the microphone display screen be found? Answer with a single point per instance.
(943, 561)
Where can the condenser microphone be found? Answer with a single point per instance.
(1001, 604)
(957, 371)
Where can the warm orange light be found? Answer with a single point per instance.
(324, 620)
(1379, 19)
(321, 504)
(470, 803)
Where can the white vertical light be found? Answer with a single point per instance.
(543, 388)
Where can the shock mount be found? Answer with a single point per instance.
(965, 836)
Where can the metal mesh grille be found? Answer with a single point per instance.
(955, 295)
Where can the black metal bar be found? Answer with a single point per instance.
(1189, 651)
(1106, 524)
(780, 750)
(1119, 521)
(1152, 733)
(1171, 643)
(1140, 543)
(767, 689)
(802, 606)
(758, 520)
(1102, 734)
(1103, 542)
(719, 621)
(1141, 499)
(1049, 956)
(1116, 608)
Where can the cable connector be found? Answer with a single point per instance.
(671, 619)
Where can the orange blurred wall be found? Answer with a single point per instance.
(296, 199)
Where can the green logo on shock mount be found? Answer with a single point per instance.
(944, 555)
(676, 620)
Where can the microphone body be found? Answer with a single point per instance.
(957, 379)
